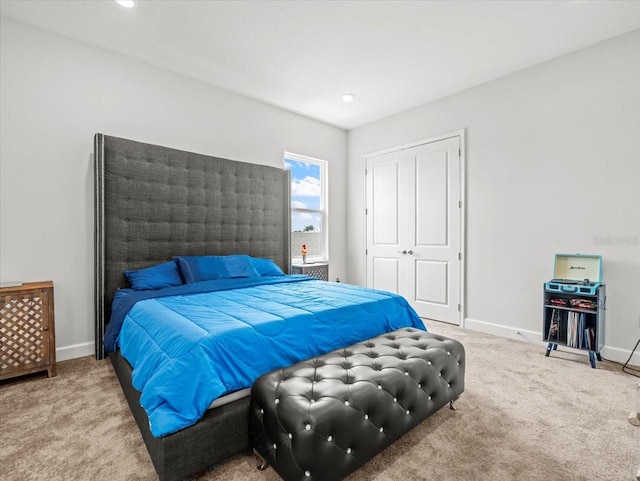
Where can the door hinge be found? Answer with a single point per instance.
(366, 212)
(366, 172)
(459, 152)
(459, 308)
(459, 204)
(366, 252)
(459, 256)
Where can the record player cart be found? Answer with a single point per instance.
(574, 326)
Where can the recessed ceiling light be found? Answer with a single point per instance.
(126, 3)
(348, 98)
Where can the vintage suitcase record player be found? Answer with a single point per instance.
(576, 274)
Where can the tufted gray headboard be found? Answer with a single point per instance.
(153, 203)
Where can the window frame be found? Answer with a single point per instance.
(323, 211)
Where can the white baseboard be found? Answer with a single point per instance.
(621, 355)
(74, 351)
(534, 337)
(504, 331)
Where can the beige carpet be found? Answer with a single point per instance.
(522, 417)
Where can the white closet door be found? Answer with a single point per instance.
(413, 226)
(386, 224)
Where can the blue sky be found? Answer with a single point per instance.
(305, 193)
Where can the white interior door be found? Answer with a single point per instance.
(414, 226)
(385, 226)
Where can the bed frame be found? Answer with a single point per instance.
(153, 203)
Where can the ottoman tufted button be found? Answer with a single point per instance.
(345, 389)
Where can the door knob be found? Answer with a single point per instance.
(410, 252)
(402, 252)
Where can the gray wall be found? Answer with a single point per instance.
(553, 166)
(56, 93)
(553, 163)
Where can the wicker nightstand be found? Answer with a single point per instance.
(319, 270)
(27, 330)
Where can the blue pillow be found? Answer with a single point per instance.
(239, 266)
(200, 268)
(155, 277)
(266, 267)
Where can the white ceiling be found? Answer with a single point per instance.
(303, 55)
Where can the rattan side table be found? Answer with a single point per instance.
(319, 270)
(27, 330)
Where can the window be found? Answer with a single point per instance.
(308, 206)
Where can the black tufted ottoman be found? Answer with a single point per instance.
(323, 418)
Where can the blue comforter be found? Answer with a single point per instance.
(200, 341)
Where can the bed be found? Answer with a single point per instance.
(154, 204)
